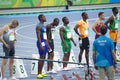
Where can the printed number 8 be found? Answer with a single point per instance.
(21, 68)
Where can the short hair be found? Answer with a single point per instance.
(40, 16)
(103, 30)
(56, 19)
(83, 14)
(100, 13)
(114, 8)
(63, 19)
(15, 22)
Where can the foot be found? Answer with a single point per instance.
(12, 78)
(81, 66)
(66, 69)
(4, 79)
(44, 75)
(40, 76)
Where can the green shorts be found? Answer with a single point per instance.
(69, 46)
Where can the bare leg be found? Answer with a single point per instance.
(11, 66)
(66, 58)
(50, 64)
(80, 55)
(87, 56)
(4, 62)
(40, 65)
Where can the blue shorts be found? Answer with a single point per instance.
(42, 52)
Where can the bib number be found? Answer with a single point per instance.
(116, 25)
(86, 32)
(44, 36)
(69, 35)
(52, 35)
(11, 37)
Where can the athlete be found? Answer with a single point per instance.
(66, 38)
(50, 36)
(42, 44)
(113, 27)
(98, 24)
(8, 40)
(82, 25)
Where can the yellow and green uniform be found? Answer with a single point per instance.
(67, 40)
(114, 29)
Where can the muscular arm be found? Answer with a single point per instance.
(2, 30)
(114, 56)
(38, 35)
(94, 27)
(109, 21)
(61, 34)
(76, 30)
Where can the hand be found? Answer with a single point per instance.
(41, 47)
(98, 33)
(65, 46)
(7, 45)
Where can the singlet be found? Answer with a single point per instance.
(50, 32)
(98, 28)
(9, 36)
(83, 28)
(67, 33)
(114, 24)
(43, 35)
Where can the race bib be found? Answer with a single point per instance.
(86, 31)
(69, 35)
(52, 35)
(11, 37)
(43, 44)
(45, 36)
(116, 25)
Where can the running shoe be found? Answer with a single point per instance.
(40, 76)
(44, 74)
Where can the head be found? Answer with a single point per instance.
(103, 30)
(42, 18)
(65, 20)
(14, 23)
(101, 15)
(115, 10)
(56, 21)
(84, 15)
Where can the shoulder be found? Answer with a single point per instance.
(48, 26)
(61, 28)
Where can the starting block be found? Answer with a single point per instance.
(34, 65)
(19, 69)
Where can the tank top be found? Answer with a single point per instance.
(9, 36)
(43, 35)
(114, 24)
(67, 33)
(51, 32)
(98, 28)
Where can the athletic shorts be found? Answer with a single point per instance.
(85, 43)
(69, 46)
(114, 35)
(51, 44)
(42, 52)
(9, 51)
